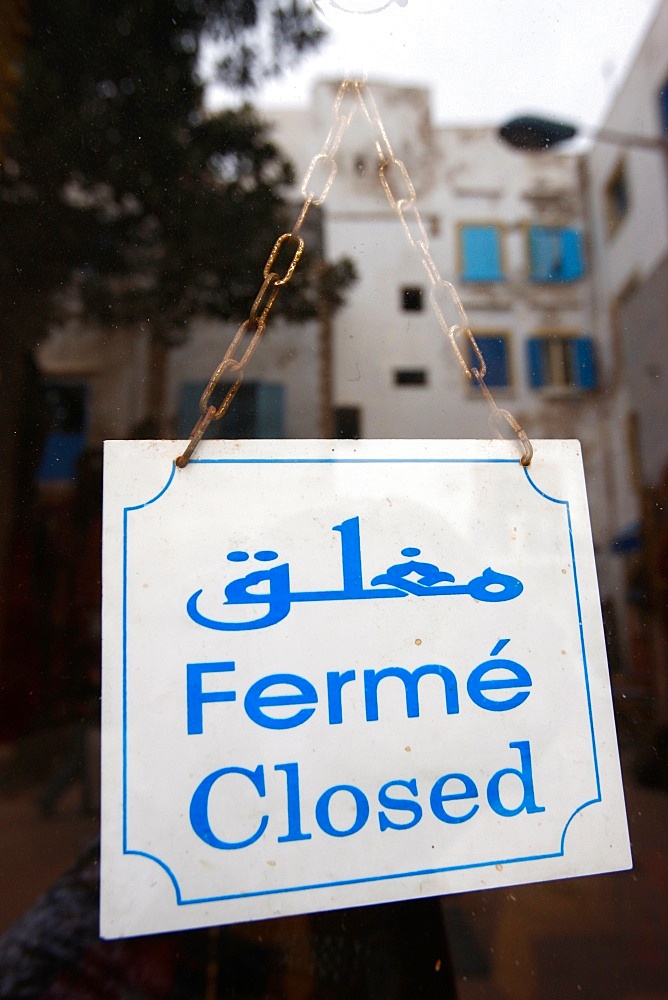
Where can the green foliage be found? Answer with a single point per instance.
(117, 186)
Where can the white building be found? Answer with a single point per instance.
(506, 228)
(628, 188)
(628, 179)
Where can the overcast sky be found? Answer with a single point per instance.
(484, 60)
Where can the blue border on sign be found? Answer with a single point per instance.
(419, 873)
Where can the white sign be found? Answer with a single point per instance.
(339, 673)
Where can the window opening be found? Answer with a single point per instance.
(410, 376)
(555, 254)
(617, 200)
(411, 299)
(633, 442)
(561, 361)
(494, 349)
(347, 422)
(66, 410)
(663, 107)
(480, 252)
(257, 412)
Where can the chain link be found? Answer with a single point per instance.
(445, 302)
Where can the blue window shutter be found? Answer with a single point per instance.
(256, 411)
(481, 253)
(555, 254)
(585, 363)
(269, 403)
(536, 362)
(60, 457)
(572, 256)
(541, 251)
(663, 107)
(65, 418)
(494, 351)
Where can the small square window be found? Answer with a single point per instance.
(347, 422)
(411, 298)
(410, 376)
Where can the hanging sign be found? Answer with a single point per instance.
(340, 673)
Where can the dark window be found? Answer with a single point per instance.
(617, 197)
(65, 418)
(555, 254)
(65, 407)
(480, 249)
(494, 350)
(256, 411)
(561, 361)
(347, 422)
(410, 376)
(663, 107)
(411, 299)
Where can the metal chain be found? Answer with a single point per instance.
(443, 296)
(255, 325)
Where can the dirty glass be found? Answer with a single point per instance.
(150, 155)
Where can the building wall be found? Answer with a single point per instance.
(644, 322)
(629, 247)
(634, 247)
(629, 250)
(461, 176)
